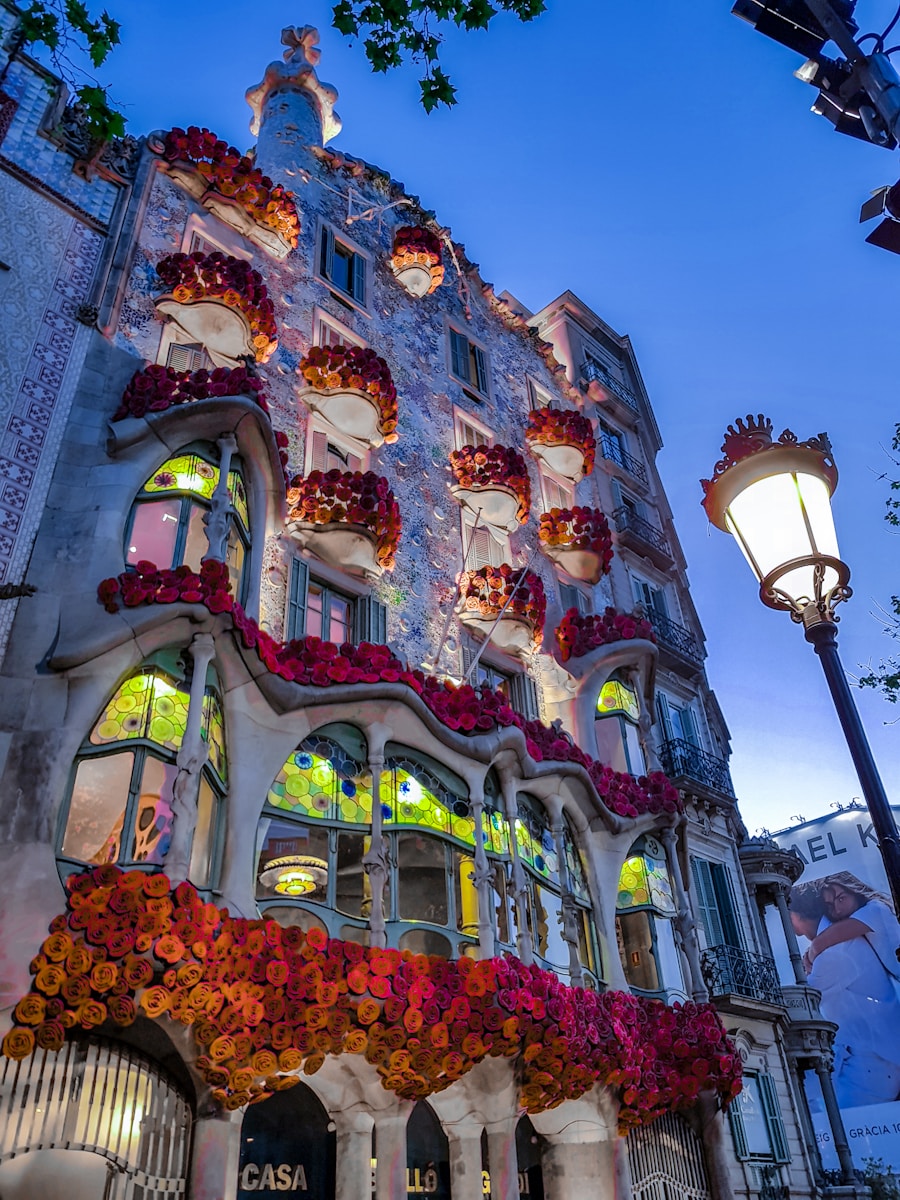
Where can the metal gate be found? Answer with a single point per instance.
(97, 1119)
(667, 1161)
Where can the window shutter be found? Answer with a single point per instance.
(774, 1123)
(689, 726)
(523, 696)
(327, 262)
(707, 908)
(617, 493)
(298, 586)
(726, 905)
(354, 463)
(318, 459)
(459, 355)
(738, 1133)
(358, 281)
(190, 357)
(481, 379)
(370, 621)
(467, 654)
(481, 550)
(665, 717)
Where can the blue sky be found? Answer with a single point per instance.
(660, 160)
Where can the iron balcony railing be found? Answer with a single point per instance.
(613, 450)
(729, 970)
(683, 760)
(676, 638)
(593, 372)
(628, 521)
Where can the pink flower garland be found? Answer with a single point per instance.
(562, 427)
(479, 467)
(330, 368)
(156, 388)
(265, 1001)
(577, 635)
(354, 497)
(311, 662)
(578, 529)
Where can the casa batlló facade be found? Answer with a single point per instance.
(367, 827)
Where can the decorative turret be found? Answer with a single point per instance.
(292, 108)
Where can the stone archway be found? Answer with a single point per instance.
(427, 1154)
(287, 1145)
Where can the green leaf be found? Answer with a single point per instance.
(437, 89)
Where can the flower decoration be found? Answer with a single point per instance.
(156, 388)
(578, 529)
(340, 367)
(349, 497)
(311, 662)
(562, 427)
(233, 175)
(195, 277)
(482, 467)
(488, 589)
(417, 246)
(577, 635)
(265, 1002)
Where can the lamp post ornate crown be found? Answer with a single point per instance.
(774, 496)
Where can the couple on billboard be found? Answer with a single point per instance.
(851, 959)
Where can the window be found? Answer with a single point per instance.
(556, 494)
(328, 331)
(167, 527)
(120, 808)
(677, 720)
(715, 904)
(757, 1126)
(481, 546)
(613, 444)
(537, 396)
(644, 933)
(573, 597)
(189, 356)
(468, 363)
(470, 433)
(328, 455)
(342, 266)
(200, 244)
(652, 598)
(618, 714)
(318, 609)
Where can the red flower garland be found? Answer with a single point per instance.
(562, 427)
(354, 497)
(487, 589)
(216, 276)
(309, 661)
(578, 529)
(331, 368)
(577, 635)
(415, 245)
(265, 1001)
(156, 388)
(480, 467)
(233, 175)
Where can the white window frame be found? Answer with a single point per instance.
(498, 546)
(538, 397)
(471, 389)
(223, 239)
(638, 582)
(351, 299)
(318, 427)
(462, 417)
(549, 482)
(323, 322)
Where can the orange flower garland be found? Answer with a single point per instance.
(354, 497)
(562, 427)
(490, 466)
(578, 528)
(332, 368)
(416, 246)
(265, 1001)
(488, 589)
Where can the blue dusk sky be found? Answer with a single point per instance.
(660, 160)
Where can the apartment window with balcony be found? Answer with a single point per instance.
(677, 719)
(471, 433)
(327, 454)
(617, 729)
(316, 608)
(342, 266)
(715, 904)
(556, 494)
(652, 598)
(757, 1126)
(469, 364)
(645, 908)
(484, 547)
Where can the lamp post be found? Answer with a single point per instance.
(775, 498)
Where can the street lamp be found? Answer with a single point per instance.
(775, 498)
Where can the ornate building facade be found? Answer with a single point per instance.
(367, 826)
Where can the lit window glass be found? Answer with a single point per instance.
(617, 697)
(325, 783)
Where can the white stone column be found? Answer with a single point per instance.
(569, 907)
(390, 1150)
(790, 937)
(524, 945)
(353, 1164)
(465, 1162)
(482, 876)
(574, 1169)
(217, 517)
(215, 1156)
(191, 757)
(503, 1162)
(375, 859)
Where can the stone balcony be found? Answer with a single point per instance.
(740, 979)
(695, 770)
(639, 535)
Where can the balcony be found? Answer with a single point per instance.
(614, 452)
(688, 766)
(637, 533)
(732, 971)
(676, 644)
(593, 372)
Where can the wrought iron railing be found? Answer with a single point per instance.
(681, 758)
(628, 521)
(593, 371)
(615, 452)
(730, 970)
(675, 637)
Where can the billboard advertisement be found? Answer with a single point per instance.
(849, 936)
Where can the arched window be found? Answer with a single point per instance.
(538, 853)
(644, 930)
(119, 808)
(167, 527)
(618, 713)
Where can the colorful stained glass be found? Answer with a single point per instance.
(321, 780)
(617, 697)
(185, 473)
(496, 831)
(214, 734)
(148, 705)
(238, 495)
(535, 843)
(416, 797)
(578, 884)
(644, 882)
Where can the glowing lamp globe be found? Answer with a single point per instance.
(295, 875)
(775, 498)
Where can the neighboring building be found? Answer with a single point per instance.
(234, 750)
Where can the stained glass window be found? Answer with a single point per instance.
(644, 881)
(185, 473)
(214, 733)
(148, 705)
(321, 780)
(534, 840)
(496, 830)
(417, 797)
(578, 884)
(617, 697)
(238, 494)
